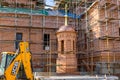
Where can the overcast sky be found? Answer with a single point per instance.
(49, 3)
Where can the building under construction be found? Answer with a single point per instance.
(82, 37)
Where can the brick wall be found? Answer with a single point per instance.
(103, 24)
(33, 30)
(19, 3)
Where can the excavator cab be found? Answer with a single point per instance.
(6, 58)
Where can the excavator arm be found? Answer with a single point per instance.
(24, 58)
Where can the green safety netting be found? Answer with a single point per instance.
(23, 10)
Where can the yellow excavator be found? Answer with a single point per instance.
(11, 63)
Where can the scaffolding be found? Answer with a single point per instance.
(97, 37)
(100, 37)
(20, 22)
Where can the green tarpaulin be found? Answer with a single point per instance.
(22, 10)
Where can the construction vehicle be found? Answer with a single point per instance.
(12, 61)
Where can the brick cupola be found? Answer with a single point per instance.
(66, 61)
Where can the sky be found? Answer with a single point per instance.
(49, 3)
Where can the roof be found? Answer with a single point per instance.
(47, 12)
(66, 28)
(70, 14)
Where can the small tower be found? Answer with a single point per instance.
(66, 61)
